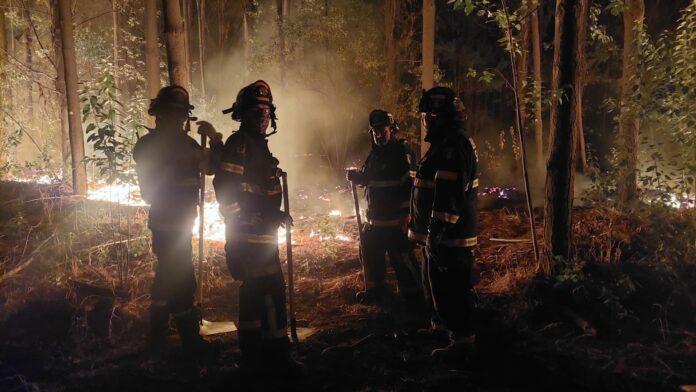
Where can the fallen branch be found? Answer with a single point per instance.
(107, 244)
(22, 265)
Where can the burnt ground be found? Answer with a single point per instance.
(74, 307)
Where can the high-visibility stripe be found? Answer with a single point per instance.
(229, 209)
(266, 270)
(384, 223)
(460, 243)
(232, 168)
(444, 216)
(417, 236)
(388, 183)
(446, 175)
(254, 324)
(412, 173)
(472, 184)
(253, 188)
(421, 183)
(255, 238)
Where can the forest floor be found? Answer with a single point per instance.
(74, 300)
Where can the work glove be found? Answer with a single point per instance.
(280, 218)
(355, 176)
(207, 129)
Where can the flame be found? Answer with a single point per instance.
(335, 213)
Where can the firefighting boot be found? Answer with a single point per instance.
(373, 295)
(188, 325)
(280, 361)
(159, 329)
(251, 363)
(459, 350)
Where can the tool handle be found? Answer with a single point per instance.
(201, 230)
(291, 269)
(358, 218)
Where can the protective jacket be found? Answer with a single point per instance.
(247, 186)
(167, 167)
(386, 176)
(443, 200)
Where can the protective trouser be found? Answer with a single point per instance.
(173, 287)
(379, 241)
(262, 305)
(448, 284)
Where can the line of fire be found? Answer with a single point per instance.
(347, 195)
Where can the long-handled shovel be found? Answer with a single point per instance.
(291, 269)
(207, 327)
(358, 218)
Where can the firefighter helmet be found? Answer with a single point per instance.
(441, 100)
(254, 94)
(381, 118)
(170, 97)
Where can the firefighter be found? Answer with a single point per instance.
(443, 209)
(247, 186)
(167, 162)
(387, 181)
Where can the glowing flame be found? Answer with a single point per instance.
(116, 193)
(335, 213)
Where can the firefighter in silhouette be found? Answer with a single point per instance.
(387, 181)
(443, 209)
(167, 163)
(247, 186)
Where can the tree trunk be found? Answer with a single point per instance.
(428, 56)
(152, 74)
(523, 67)
(245, 36)
(186, 16)
(538, 119)
(3, 106)
(388, 99)
(176, 47)
(571, 17)
(629, 122)
(115, 49)
(29, 62)
(61, 101)
(283, 9)
(77, 145)
(201, 44)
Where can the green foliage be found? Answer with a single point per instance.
(110, 129)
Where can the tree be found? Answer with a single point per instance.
(176, 47)
(28, 60)
(571, 18)
(152, 74)
(3, 55)
(428, 55)
(388, 97)
(283, 7)
(629, 121)
(61, 101)
(77, 145)
(536, 61)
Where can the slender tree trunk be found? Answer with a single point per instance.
(523, 66)
(283, 9)
(388, 99)
(115, 49)
(176, 49)
(428, 56)
(77, 144)
(186, 16)
(571, 17)
(538, 119)
(3, 105)
(245, 36)
(201, 44)
(152, 60)
(29, 61)
(61, 101)
(629, 122)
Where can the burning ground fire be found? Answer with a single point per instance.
(214, 225)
